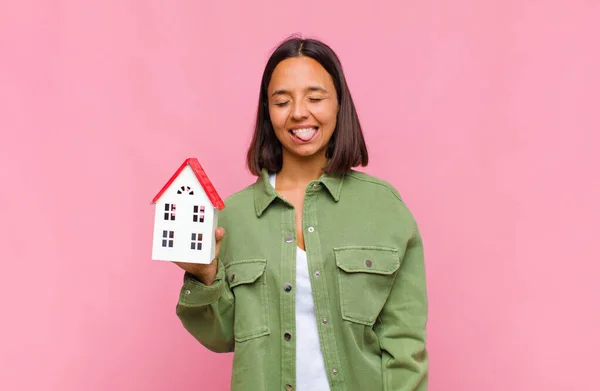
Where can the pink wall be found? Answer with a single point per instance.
(483, 114)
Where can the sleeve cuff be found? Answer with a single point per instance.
(195, 294)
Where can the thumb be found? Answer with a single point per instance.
(219, 233)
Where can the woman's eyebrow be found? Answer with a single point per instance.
(279, 92)
(316, 88)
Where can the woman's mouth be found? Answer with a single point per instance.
(304, 135)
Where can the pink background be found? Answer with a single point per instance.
(483, 113)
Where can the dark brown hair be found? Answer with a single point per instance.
(346, 149)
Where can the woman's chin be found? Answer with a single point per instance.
(307, 152)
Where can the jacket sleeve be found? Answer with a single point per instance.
(402, 324)
(206, 312)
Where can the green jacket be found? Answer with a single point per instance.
(365, 258)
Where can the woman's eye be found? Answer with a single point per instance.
(315, 99)
(281, 104)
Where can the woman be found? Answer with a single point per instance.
(319, 280)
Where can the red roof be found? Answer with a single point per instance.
(208, 187)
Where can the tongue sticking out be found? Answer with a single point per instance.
(306, 135)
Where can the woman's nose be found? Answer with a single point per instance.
(299, 110)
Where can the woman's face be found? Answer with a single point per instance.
(303, 106)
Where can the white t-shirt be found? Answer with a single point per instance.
(310, 366)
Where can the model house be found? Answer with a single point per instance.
(186, 216)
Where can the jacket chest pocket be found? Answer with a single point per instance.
(248, 284)
(365, 278)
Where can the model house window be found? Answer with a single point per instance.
(198, 216)
(167, 238)
(169, 211)
(196, 242)
(185, 189)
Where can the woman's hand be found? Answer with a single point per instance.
(205, 273)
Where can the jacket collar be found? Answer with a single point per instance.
(264, 193)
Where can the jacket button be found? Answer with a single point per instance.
(311, 229)
(335, 372)
(288, 387)
(288, 239)
(287, 336)
(324, 320)
(287, 287)
(369, 263)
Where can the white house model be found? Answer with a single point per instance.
(186, 216)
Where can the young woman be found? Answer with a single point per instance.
(319, 281)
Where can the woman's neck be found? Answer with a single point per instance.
(298, 171)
